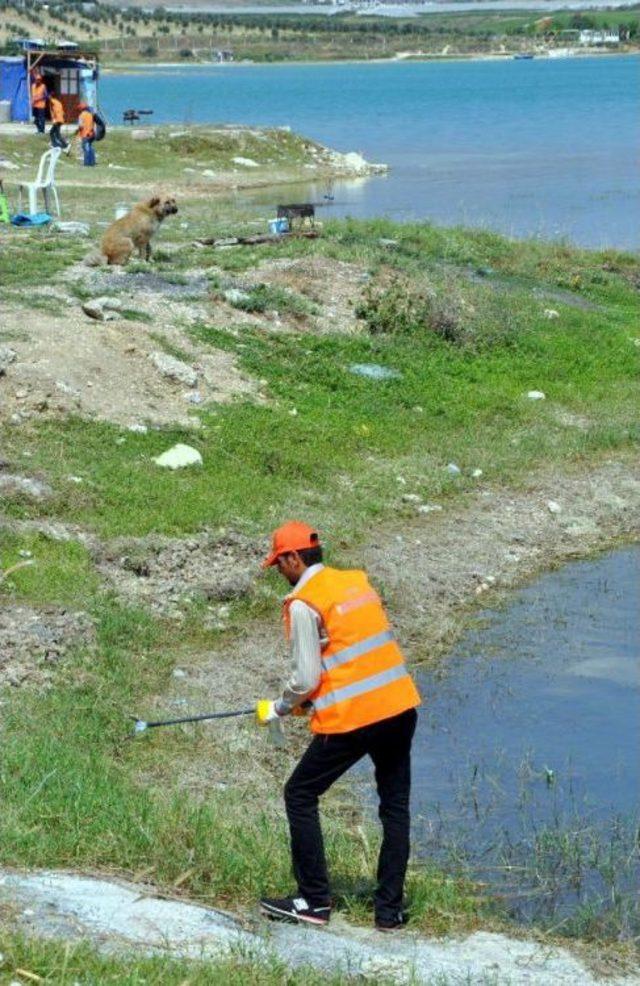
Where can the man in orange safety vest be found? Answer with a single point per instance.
(349, 673)
(39, 102)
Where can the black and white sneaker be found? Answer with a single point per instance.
(392, 924)
(294, 909)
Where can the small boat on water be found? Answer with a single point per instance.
(522, 55)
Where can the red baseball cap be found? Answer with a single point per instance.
(292, 536)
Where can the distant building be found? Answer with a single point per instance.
(603, 37)
(224, 56)
(70, 74)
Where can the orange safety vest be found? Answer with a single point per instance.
(57, 110)
(38, 95)
(364, 677)
(85, 124)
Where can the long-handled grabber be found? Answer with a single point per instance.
(141, 725)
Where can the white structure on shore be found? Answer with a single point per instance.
(603, 37)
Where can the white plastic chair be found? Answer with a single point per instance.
(45, 181)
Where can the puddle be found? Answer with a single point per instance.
(526, 770)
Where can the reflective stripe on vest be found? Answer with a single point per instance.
(361, 687)
(357, 650)
(363, 677)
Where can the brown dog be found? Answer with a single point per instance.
(134, 231)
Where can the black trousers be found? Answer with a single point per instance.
(56, 138)
(39, 117)
(388, 743)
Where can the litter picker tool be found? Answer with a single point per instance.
(141, 725)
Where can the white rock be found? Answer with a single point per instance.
(536, 395)
(179, 673)
(142, 134)
(174, 369)
(453, 469)
(7, 356)
(429, 508)
(551, 313)
(75, 479)
(235, 296)
(401, 480)
(477, 473)
(138, 429)
(411, 498)
(246, 162)
(8, 165)
(103, 309)
(208, 173)
(25, 554)
(553, 507)
(195, 397)
(178, 457)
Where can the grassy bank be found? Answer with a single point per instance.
(468, 323)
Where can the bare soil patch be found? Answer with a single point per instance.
(102, 370)
(164, 573)
(33, 640)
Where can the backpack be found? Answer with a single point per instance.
(99, 126)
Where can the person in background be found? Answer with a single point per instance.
(87, 133)
(56, 111)
(39, 102)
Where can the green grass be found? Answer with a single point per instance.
(69, 964)
(75, 791)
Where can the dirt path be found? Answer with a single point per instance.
(120, 916)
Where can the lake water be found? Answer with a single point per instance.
(545, 147)
(526, 767)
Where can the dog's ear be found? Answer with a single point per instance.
(154, 202)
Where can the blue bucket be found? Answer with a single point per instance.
(279, 226)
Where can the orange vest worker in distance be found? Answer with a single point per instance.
(86, 127)
(39, 102)
(350, 672)
(364, 678)
(56, 110)
(87, 132)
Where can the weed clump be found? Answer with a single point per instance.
(396, 310)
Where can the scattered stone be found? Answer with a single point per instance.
(208, 173)
(551, 313)
(477, 473)
(536, 395)
(246, 162)
(71, 228)
(195, 397)
(373, 371)
(7, 357)
(453, 469)
(103, 309)
(12, 485)
(174, 369)
(385, 242)
(179, 673)
(553, 507)
(142, 134)
(138, 429)
(429, 508)
(179, 456)
(75, 479)
(401, 480)
(411, 498)
(23, 553)
(235, 296)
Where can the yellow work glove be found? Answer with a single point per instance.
(266, 712)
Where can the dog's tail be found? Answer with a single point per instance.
(95, 259)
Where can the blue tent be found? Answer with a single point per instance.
(14, 87)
